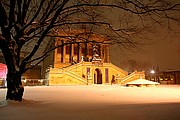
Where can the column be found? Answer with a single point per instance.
(108, 55)
(90, 52)
(86, 51)
(81, 52)
(78, 54)
(72, 52)
(62, 51)
(101, 51)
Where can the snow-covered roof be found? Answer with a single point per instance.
(142, 81)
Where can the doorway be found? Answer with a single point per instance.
(97, 76)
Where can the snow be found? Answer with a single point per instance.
(93, 102)
(142, 82)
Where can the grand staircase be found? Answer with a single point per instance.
(133, 76)
(75, 77)
(77, 74)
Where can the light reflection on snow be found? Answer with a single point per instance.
(94, 102)
(101, 94)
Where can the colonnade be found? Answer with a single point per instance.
(77, 52)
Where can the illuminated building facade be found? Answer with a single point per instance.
(78, 63)
(82, 63)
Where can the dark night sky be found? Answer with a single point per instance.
(164, 52)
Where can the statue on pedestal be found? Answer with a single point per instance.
(96, 56)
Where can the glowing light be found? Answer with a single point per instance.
(152, 71)
(3, 71)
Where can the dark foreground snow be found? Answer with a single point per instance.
(95, 102)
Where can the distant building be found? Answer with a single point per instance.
(165, 77)
(31, 77)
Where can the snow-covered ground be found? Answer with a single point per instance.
(94, 102)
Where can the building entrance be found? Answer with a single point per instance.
(97, 76)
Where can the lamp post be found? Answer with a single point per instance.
(152, 74)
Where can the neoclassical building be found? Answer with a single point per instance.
(83, 60)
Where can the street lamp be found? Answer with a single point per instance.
(152, 73)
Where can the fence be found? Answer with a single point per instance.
(28, 82)
(35, 82)
(2, 83)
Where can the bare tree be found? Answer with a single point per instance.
(32, 21)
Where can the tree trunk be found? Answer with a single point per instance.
(14, 85)
(15, 88)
